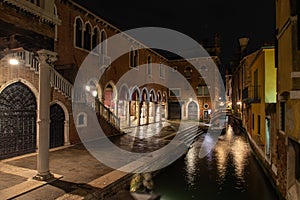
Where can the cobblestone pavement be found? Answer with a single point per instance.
(74, 167)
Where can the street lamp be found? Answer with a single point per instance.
(13, 61)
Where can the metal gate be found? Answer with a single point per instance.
(57, 117)
(17, 121)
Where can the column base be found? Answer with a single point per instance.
(43, 177)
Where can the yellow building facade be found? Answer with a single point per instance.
(288, 95)
(258, 93)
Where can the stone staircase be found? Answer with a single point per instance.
(107, 119)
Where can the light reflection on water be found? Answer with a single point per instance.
(230, 171)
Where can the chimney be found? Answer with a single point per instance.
(243, 45)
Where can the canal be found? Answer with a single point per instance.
(230, 171)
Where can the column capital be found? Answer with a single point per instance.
(46, 56)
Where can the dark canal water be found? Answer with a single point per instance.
(228, 172)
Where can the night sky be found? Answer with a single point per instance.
(232, 19)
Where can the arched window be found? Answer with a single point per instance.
(87, 36)
(149, 65)
(133, 57)
(103, 42)
(136, 58)
(161, 70)
(96, 38)
(78, 33)
(188, 72)
(82, 120)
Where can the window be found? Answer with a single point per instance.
(103, 42)
(205, 91)
(199, 90)
(161, 71)
(78, 32)
(149, 65)
(282, 116)
(87, 36)
(133, 58)
(202, 90)
(188, 72)
(174, 92)
(203, 71)
(82, 120)
(95, 39)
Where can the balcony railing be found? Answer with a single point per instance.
(251, 94)
(57, 81)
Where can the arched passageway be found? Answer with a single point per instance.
(57, 127)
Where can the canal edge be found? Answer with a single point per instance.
(260, 162)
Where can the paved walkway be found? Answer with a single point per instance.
(76, 172)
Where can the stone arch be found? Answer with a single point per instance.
(152, 96)
(159, 96)
(110, 96)
(192, 110)
(145, 95)
(66, 122)
(25, 82)
(124, 93)
(133, 90)
(18, 117)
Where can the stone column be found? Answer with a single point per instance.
(139, 111)
(159, 111)
(46, 58)
(154, 111)
(116, 107)
(67, 132)
(128, 113)
(147, 110)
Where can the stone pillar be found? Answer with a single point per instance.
(159, 112)
(154, 111)
(67, 132)
(166, 111)
(139, 110)
(128, 113)
(43, 129)
(116, 107)
(147, 110)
